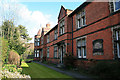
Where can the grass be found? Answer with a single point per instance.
(24, 65)
(39, 71)
(28, 59)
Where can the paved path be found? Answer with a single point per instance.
(73, 74)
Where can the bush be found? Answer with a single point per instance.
(14, 57)
(9, 67)
(19, 70)
(69, 61)
(106, 69)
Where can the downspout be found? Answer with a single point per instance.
(72, 35)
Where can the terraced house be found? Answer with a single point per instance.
(91, 31)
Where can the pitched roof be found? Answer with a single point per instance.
(39, 32)
(79, 8)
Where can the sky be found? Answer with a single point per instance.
(34, 14)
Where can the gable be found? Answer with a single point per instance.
(62, 12)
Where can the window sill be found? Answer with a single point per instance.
(82, 59)
(61, 34)
(81, 27)
(112, 13)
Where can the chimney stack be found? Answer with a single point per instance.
(48, 25)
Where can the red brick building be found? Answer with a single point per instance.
(91, 31)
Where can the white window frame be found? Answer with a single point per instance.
(42, 53)
(81, 48)
(80, 19)
(62, 26)
(55, 51)
(56, 34)
(115, 6)
(37, 53)
(38, 43)
(48, 52)
(118, 47)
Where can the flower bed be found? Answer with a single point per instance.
(5, 74)
(12, 72)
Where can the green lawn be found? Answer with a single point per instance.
(38, 71)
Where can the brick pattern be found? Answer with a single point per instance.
(98, 19)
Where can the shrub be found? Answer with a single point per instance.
(14, 58)
(13, 76)
(69, 61)
(19, 70)
(43, 59)
(9, 67)
(106, 69)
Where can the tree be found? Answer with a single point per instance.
(16, 36)
(5, 50)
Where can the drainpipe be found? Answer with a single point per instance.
(72, 35)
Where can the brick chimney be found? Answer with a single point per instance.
(48, 25)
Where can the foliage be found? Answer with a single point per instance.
(16, 36)
(10, 67)
(19, 70)
(69, 61)
(106, 69)
(24, 65)
(5, 50)
(14, 57)
(7, 75)
(43, 58)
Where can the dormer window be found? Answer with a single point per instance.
(80, 19)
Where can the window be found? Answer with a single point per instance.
(55, 52)
(80, 19)
(116, 5)
(62, 27)
(48, 38)
(98, 47)
(81, 48)
(42, 53)
(35, 41)
(38, 43)
(37, 53)
(118, 43)
(48, 52)
(38, 39)
(42, 40)
(56, 33)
